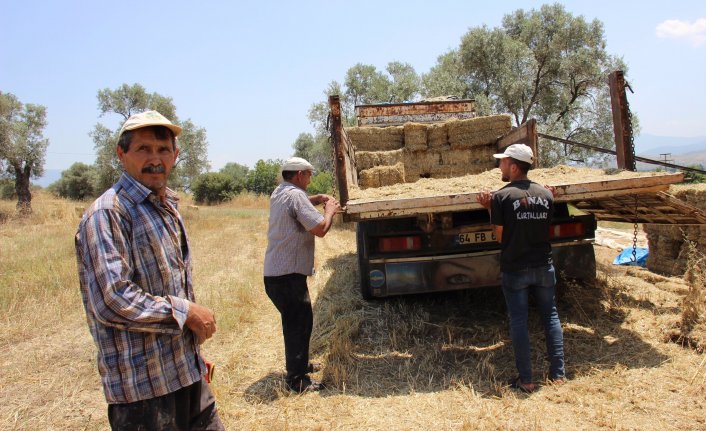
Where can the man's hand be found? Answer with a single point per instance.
(551, 189)
(484, 199)
(201, 321)
(332, 206)
(320, 199)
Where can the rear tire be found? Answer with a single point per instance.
(363, 266)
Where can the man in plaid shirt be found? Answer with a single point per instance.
(134, 267)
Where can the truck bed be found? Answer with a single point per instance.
(626, 196)
(608, 199)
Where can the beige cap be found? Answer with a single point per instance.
(297, 164)
(146, 119)
(519, 152)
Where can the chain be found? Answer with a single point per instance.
(631, 138)
(634, 236)
(633, 167)
(329, 128)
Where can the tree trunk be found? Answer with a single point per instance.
(24, 195)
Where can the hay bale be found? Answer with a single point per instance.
(370, 159)
(415, 136)
(376, 138)
(669, 246)
(477, 131)
(420, 164)
(437, 136)
(381, 176)
(693, 194)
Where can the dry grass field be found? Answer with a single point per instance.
(432, 362)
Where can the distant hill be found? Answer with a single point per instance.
(651, 145)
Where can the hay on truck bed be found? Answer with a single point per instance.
(487, 180)
(440, 150)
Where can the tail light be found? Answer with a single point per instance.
(567, 230)
(399, 243)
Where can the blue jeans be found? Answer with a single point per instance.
(517, 286)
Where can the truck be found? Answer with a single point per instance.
(422, 241)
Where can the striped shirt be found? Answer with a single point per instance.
(290, 245)
(134, 268)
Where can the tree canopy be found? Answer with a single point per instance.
(127, 100)
(22, 145)
(545, 64)
(78, 182)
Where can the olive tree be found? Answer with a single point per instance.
(22, 145)
(127, 100)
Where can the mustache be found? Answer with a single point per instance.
(153, 169)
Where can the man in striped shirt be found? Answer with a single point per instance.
(289, 259)
(134, 266)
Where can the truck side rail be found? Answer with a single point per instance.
(588, 195)
(526, 134)
(344, 156)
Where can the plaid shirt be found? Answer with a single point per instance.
(134, 267)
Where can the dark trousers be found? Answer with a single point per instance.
(290, 294)
(189, 408)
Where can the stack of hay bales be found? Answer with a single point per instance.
(669, 244)
(397, 154)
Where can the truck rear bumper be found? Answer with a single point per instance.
(401, 276)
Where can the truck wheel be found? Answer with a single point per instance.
(363, 267)
(576, 264)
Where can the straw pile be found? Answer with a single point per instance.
(669, 244)
(488, 180)
(443, 150)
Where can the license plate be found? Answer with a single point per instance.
(475, 237)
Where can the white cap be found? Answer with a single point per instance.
(519, 152)
(297, 164)
(146, 119)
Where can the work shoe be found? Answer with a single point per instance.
(305, 384)
(557, 381)
(527, 388)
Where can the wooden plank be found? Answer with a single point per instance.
(390, 114)
(659, 207)
(684, 207)
(564, 193)
(579, 193)
(342, 164)
(397, 120)
(621, 121)
(390, 109)
(525, 134)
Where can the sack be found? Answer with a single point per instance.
(625, 257)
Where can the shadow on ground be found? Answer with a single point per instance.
(435, 342)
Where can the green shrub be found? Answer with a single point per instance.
(321, 183)
(79, 182)
(213, 188)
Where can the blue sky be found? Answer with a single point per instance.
(249, 72)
